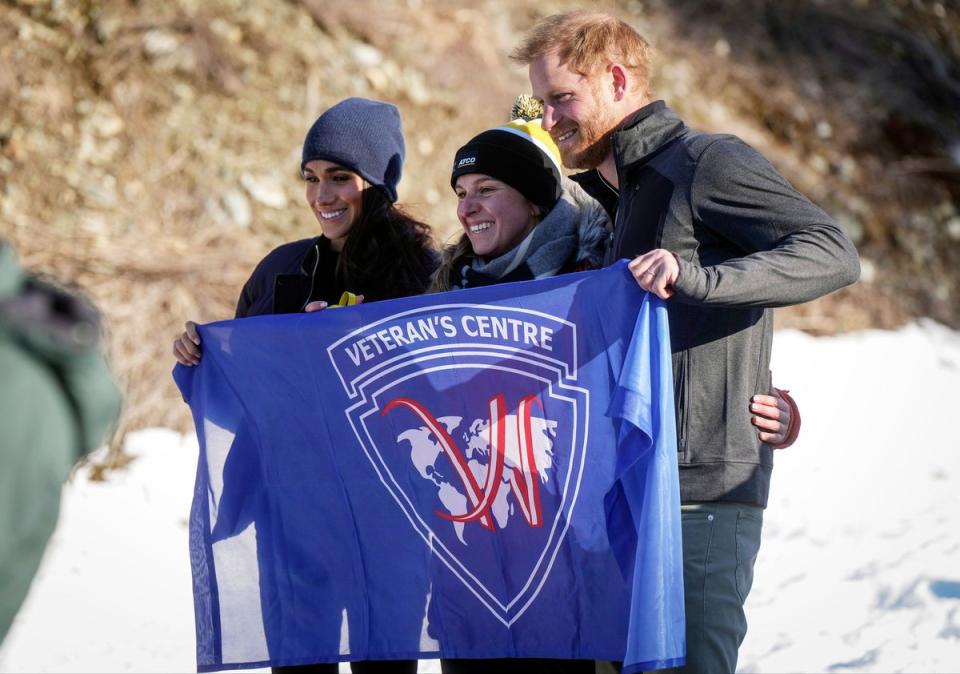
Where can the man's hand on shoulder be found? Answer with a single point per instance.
(656, 272)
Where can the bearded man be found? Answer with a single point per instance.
(715, 230)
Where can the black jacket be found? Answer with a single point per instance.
(297, 273)
(746, 241)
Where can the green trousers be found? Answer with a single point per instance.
(720, 545)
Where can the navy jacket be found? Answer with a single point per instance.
(298, 273)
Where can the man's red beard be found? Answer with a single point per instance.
(595, 134)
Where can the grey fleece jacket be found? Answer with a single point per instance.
(746, 241)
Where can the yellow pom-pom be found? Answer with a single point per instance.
(527, 108)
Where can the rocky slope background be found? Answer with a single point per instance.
(149, 150)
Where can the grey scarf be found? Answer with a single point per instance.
(573, 233)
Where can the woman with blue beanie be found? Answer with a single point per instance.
(351, 163)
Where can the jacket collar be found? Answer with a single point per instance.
(645, 132)
(315, 252)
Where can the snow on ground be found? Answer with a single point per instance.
(859, 569)
(860, 565)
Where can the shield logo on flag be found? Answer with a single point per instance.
(471, 417)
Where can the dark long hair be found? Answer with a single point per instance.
(387, 253)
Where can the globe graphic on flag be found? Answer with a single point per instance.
(427, 456)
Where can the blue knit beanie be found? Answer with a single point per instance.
(362, 135)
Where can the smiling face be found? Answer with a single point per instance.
(335, 195)
(576, 111)
(495, 216)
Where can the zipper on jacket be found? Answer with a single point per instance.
(683, 403)
(313, 275)
(608, 184)
(611, 232)
(764, 379)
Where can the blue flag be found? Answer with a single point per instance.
(483, 473)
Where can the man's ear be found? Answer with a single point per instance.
(619, 81)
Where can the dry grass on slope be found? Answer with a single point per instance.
(149, 151)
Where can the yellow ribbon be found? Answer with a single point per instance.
(347, 299)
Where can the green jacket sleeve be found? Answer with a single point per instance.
(58, 401)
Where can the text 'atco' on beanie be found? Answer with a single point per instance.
(521, 154)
